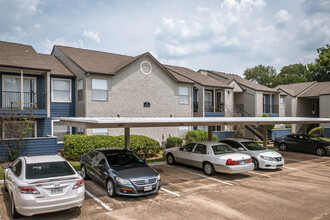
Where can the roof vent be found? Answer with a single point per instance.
(26, 51)
(145, 67)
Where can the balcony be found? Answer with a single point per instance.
(271, 110)
(211, 111)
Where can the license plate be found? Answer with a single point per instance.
(242, 162)
(56, 191)
(147, 188)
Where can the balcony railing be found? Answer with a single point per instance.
(31, 100)
(270, 108)
(208, 106)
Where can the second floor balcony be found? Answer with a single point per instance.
(270, 109)
(209, 106)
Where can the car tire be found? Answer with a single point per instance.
(255, 163)
(170, 159)
(83, 173)
(13, 210)
(208, 169)
(320, 151)
(111, 188)
(283, 147)
(4, 183)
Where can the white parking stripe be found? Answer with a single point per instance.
(302, 161)
(168, 191)
(99, 201)
(261, 174)
(197, 174)
(291, 168)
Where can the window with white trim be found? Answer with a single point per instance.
(183, 95)
(80, 86)
(183, 130)
(99, 131)
(61, 90)
(281, 102)
(17, 129)
(60, 130)
(100, 89)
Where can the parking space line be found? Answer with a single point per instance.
(302, 161)
(197, 174)
(261, 174)
(291, 168)
(99, 201)
(168, 191)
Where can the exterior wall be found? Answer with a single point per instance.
(279, 133)
(325, 108)
(259, 104)
(228, 96)
(236, 87)
(327, 132)
(247, 98)
(200, 99)
(282, 110)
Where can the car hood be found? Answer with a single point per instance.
(134, 171)
(269, 153)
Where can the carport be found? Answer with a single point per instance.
(135, 122)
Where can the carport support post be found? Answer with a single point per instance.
(265, 136)
(210, 132)
(127, 139)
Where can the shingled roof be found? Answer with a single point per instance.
(244, 82)
(295, 89)
(196, 77)
(56, 67)
(321, 88)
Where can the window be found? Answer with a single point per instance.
(200, 149)
(61, 90)
(183, 95)
(281, 103)
(183, 130)
(80, 130)
(80, 86)
(100, 89)
(48, 170)
(189, 147)
(17, 167)
(60, 130)
(100, 131)
(16, 129)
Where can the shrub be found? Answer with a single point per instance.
(77, 145)
(198, 135)
(288, 126)
(268, 126)
(316, 132)
(173, 142)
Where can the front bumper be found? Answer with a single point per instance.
(134, 190)
(27, 205)
(272, 165)
(233, 169)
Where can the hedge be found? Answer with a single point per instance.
(173, 142)
(77, 145)
(316, 132)
(198, 135)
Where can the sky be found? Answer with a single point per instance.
(222, 35)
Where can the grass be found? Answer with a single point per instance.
(1, 173)
(156, 160)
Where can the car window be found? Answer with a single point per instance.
(232, 144)
(189, 147)
(48, 169)
(252, 146)
(92, 154)
(17, 167)
(123, 159)
(222, 149)
(200, 149)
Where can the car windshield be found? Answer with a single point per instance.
(222, 149)
(123, 159)
(48, 170)
(252, 146)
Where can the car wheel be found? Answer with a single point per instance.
(111, 189)
(283, 147)
(170, 159)
(83, 173)
(255, 163)
(320, 151)
(14, 212)
(208, 169)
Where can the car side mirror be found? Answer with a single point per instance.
(240, 149)
(6, 166)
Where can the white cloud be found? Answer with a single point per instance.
(49, 44)
(93, 36)
(282, 17)
(316, 6)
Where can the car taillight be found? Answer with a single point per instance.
(78, 184)
(28, 190)
(249, 160)
(232, 162)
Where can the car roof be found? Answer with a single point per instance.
(43, 159)
(236, 139)
(112, 150)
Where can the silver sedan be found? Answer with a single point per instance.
(210, 156)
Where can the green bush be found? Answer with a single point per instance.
(268, 126)
(173, 142)
(77, 145)
(288, 126)
(198, 135)
(316, 132)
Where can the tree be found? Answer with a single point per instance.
(294, 73)
(263, 75)
(320, 70)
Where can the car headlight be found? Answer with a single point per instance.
(158, 177)
(267, 158)
(123, 181)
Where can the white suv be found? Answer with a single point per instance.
(42, 184)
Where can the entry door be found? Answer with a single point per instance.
(208, 101)
(219, 105)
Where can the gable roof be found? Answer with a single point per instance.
(295, 89)
(243, 82)
(321, 88)
(56, 67)
(196, 77)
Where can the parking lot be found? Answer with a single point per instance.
(301, 190)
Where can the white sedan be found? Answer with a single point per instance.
(42, 184)
(210, 156)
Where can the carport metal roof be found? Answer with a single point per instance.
(130, 122)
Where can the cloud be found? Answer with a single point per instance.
(282, 17)
(93, 36)
(316, 6)
(49, 44)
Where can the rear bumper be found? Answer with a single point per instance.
(28, 206)
(233, 169)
